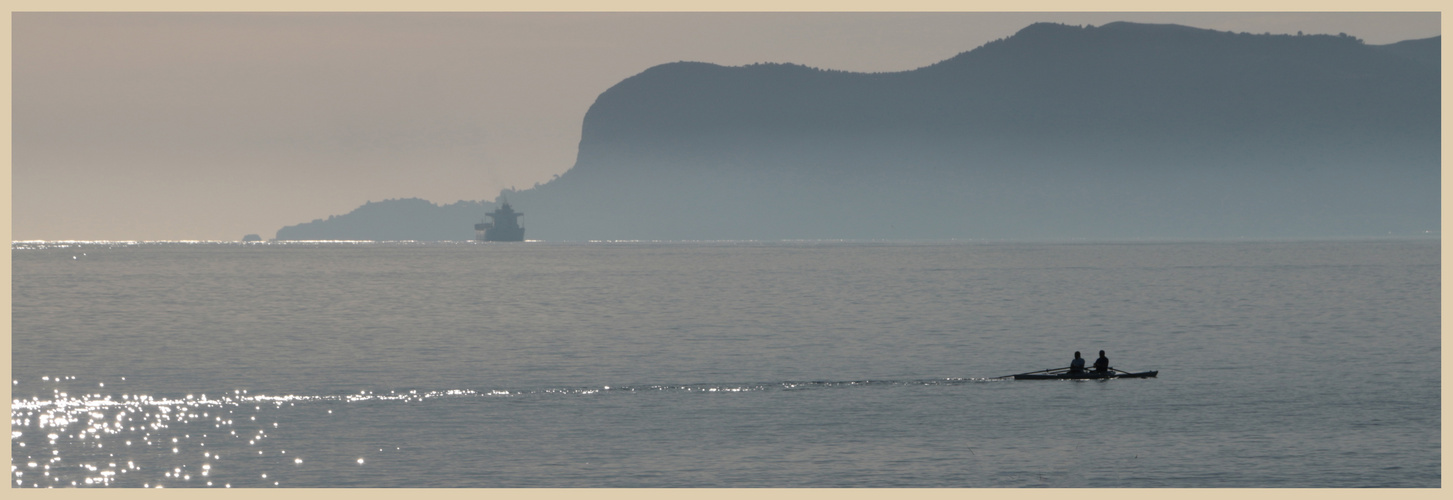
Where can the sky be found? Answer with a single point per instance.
(210, 126)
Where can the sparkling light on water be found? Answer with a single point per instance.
(162, 442)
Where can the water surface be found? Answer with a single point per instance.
(1283, 364)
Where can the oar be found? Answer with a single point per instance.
(1031, 373)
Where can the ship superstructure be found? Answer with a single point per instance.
(506, 226)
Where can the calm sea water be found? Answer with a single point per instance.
(1282, 364)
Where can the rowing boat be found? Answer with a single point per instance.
(1084, 375)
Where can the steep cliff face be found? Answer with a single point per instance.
(1123, 130)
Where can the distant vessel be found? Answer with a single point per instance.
(1085, 375)
(506, 226)
(1064, 374)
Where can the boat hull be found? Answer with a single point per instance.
(1083, 376)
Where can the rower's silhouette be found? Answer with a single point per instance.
(1078, 364)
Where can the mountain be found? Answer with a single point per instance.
(395, 220)
(1427, 51)
(1061, 132)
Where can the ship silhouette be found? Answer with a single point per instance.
(506, 226)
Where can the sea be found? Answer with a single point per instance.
(739, 364)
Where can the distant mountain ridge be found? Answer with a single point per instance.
(1426, 51)
(395, 220)
(1119, 131)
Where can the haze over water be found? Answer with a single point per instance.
(725, 364)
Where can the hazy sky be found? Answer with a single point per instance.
(162, 126)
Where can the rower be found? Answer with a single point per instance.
(1078, 364)
(1102, 365)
